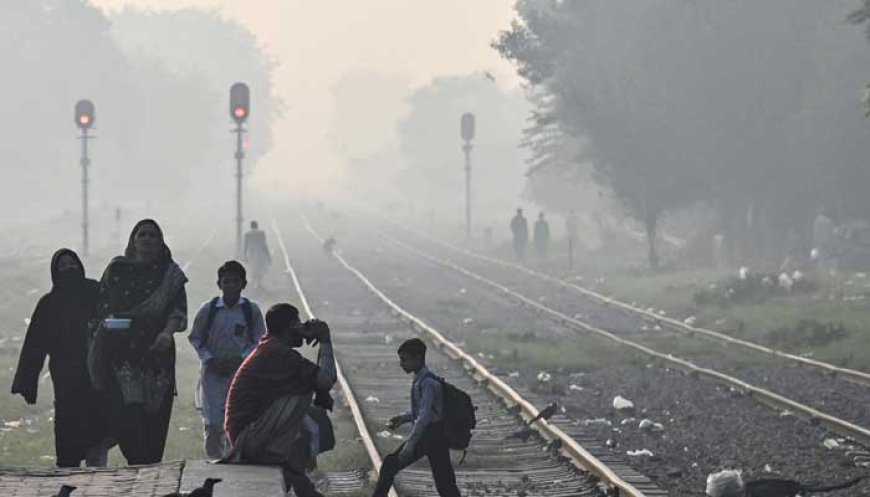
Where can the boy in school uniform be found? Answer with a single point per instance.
(225, 330)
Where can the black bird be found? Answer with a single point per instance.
(205, 490)
(525, 434)
(545, 413)
(65, 490)
(774, 487)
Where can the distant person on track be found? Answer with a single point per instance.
(270, 399)
(257, 254)
(520, 232)
(59, 329)
(542, 237)
(225, 331)
(142, 304)
(427, 437)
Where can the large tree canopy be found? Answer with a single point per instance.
(749, 106)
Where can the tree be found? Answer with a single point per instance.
(747, 106)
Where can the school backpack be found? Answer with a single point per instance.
(247, 310)
(458, 415)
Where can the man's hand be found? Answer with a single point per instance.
(315, 331)
(395, 422)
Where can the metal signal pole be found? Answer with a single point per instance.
(85, 162)
(240, 109)
(240, 219)
(85, 116)
(466, 132)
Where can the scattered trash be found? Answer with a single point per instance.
(627, 421)
(797, 275)
(183, 428)
(373, 399)
(596, 422)
(388, 339)
(650, 426)
(621, 403)
(785, 282)
(576, 388)
(743, 273)
(467, 321)
(830, 443)
(462, 290)
(544, 376)
(12, 424)
(514, 374)
(385, 434)
(690, 321)
(768, 468)
(637, 453)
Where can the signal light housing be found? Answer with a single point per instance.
(240, 102)
(84, 114)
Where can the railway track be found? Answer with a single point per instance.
(782, 403)
(655, 318)
(368, 326)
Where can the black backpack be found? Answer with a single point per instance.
(458, 415)
(247, 310)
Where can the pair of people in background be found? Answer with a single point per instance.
(111, 350)
(520, 232)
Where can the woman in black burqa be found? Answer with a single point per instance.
(136, 366)
(59, 329)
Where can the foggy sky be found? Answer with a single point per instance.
(316, 43)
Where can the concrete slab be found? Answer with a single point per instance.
(239, 480)
(138, 481)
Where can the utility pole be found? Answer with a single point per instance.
(240, 109)
(84, 119)
(466, 131)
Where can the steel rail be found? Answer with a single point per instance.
(352, 403)
(771, 399)
(570, 448)
(854, 375)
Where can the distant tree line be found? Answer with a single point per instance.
(159, 82)
(751, 108)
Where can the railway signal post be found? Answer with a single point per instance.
(84, 118)
(240, 109)
(466, 131)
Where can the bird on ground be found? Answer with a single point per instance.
(206, 490)
(545, 413)
(525, 434)
(65, 491)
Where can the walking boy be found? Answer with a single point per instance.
(427, 437)
(225, 330)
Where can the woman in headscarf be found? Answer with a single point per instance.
(59, 329)
(136, 364)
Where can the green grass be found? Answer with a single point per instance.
(547, 353)
(758, 322)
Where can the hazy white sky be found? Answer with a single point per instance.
(316, 42)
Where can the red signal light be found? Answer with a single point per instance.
(239, 112)
(84, 119)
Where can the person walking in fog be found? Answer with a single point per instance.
(59, 329)
(256, 252)
(427, 437)
(225, 330)
(520, 231)
(142, 304)
(542, 237)
(270, 397)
